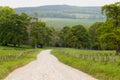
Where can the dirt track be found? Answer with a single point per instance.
(47, 67)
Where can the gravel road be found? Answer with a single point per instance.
(47, 67)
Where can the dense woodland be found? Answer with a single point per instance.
(18, 29)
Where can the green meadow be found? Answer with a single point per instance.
(59, 23)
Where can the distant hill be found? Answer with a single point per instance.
(91, 14)
(62, 11)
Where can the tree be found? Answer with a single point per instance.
(77, 37)
(72, 41)
(55, 39)
(13, 28)
(5, 14)
(62, 36)
(93, 35)
(40, 34)
(18, 29)
(110, 31)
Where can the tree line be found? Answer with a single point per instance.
(99, 36)
(20, 29)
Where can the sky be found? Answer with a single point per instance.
(34, 3)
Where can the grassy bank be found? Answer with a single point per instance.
(99, 70)
(7, 66)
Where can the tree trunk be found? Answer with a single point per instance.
(118, 51)
(35, 46)
(4, 44)
(14, 44)
(18, 43)
(41, 45)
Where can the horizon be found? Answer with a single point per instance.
(37, 3)
(59, 5)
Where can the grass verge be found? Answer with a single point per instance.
(8, 66)
(99, 70)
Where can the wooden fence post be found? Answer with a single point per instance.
(79, 56)
(98, 56)
(108, 58)
(93, 57)
(102, 57)
(113, 58)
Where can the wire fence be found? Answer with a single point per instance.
(10, 57)
(94, 57)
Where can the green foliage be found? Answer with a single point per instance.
(40, 34)
(54, 38)
(19, 29)
(108, 40)
(6, 11)
(112, 12)
(62, 36)
(77, 37)
(5, 20)
(94, 36)
(12, 27)
(110, 31)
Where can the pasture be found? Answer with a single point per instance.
(4, 51)
(59, 23)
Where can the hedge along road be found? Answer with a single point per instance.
(47, 67)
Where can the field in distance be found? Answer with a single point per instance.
(59, 23)
(59, 16)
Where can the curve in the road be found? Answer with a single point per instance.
(47, 67)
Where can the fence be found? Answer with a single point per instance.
(94, 57)
(10, 57)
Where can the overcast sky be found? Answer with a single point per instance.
(30, 3)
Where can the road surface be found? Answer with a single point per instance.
(47, 67)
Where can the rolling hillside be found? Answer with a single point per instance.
(64, 15)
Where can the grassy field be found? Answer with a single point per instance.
(59, 23)
(99, 70)
(4, 51)
(7, 66)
